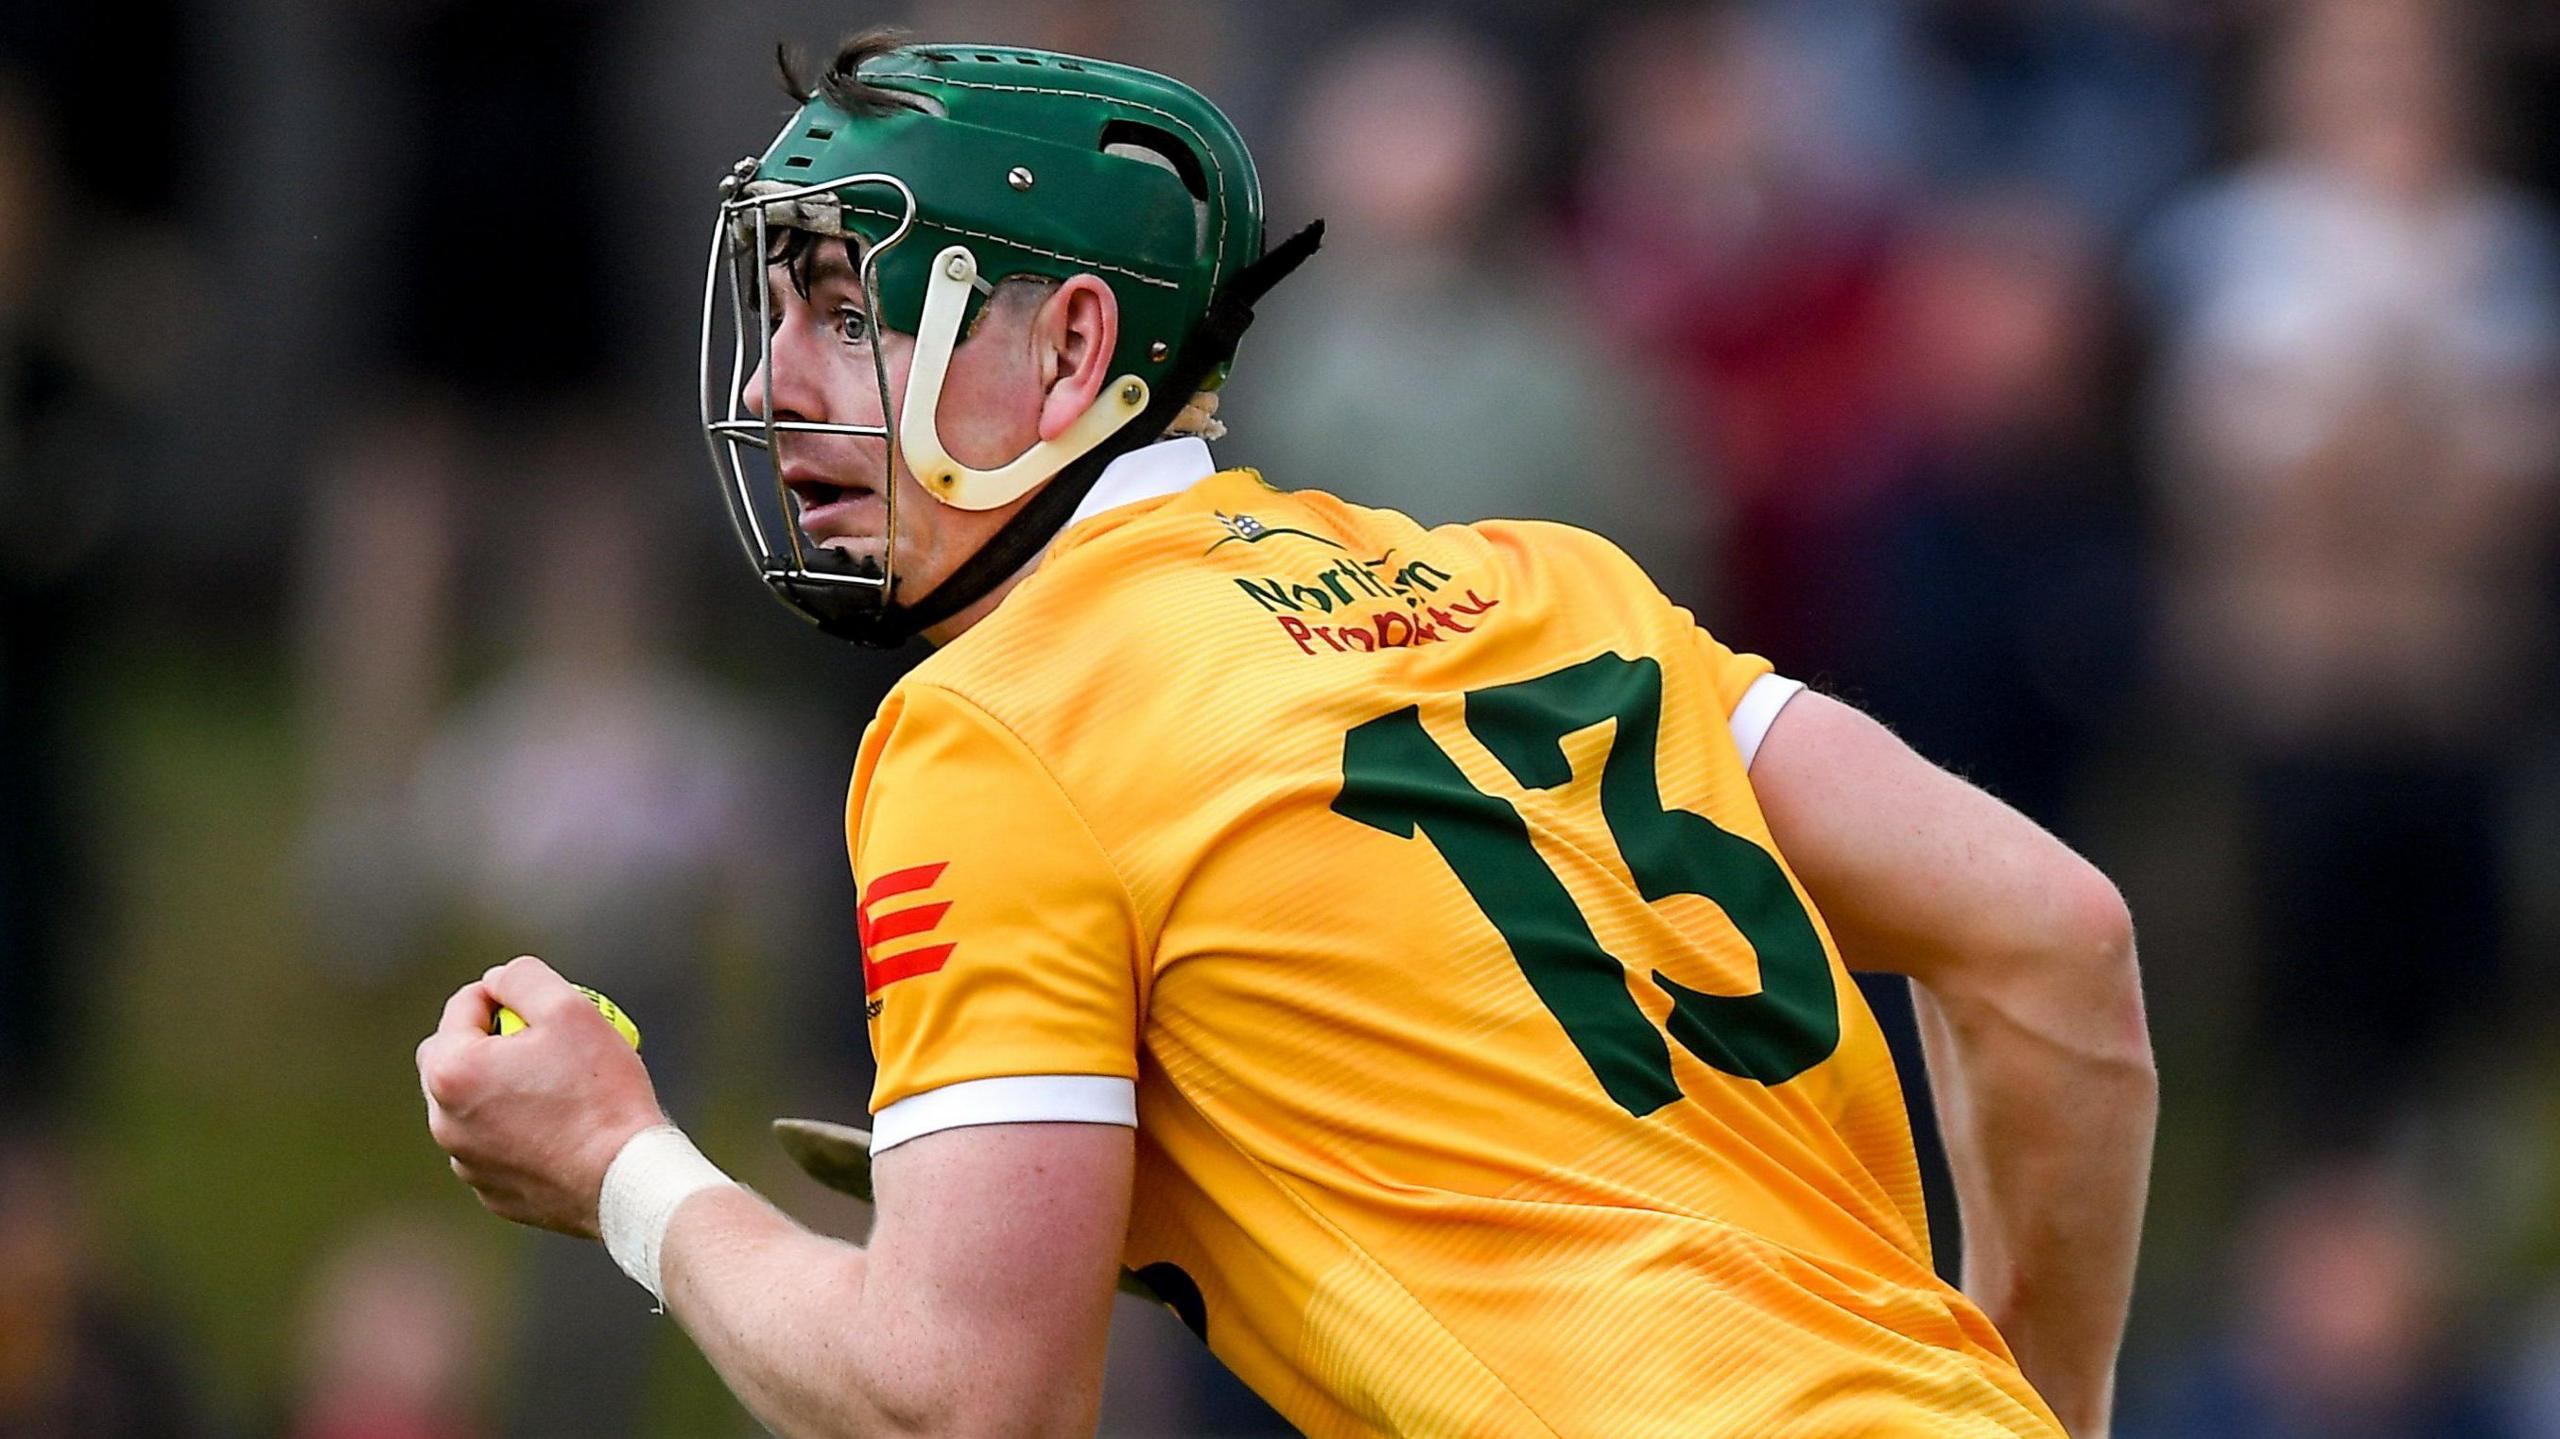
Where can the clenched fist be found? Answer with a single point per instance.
(532, 1119)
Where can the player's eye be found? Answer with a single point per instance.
(853, 326)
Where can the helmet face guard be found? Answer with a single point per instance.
(828, 587)
(816, 581)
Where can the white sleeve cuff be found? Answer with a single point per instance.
(1758, 709)
(1008, 1099)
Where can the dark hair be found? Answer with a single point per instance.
(842, 84)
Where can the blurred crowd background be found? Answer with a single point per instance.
(2146, 406)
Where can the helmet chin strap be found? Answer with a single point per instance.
(1212, 344)
(946, 298)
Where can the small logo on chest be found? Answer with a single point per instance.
(1254, 532)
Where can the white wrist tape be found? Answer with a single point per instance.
(657, 1170)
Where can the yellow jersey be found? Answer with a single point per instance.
(1405, 888)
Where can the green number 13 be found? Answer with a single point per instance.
(1396, 778)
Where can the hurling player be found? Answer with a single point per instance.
(1420, 955)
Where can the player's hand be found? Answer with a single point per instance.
(532, 1119)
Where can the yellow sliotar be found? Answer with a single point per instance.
(509, 1021)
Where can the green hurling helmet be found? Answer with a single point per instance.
(952, 168)
(1045, 164)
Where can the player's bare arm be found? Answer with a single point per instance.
(980, 1306)
(2031, 1010)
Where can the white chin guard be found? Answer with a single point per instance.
(946, 297)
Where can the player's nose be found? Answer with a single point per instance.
(783, 381)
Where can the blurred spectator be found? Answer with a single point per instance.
(73, 1358)
(1427, 360)
(2093, 102)
(392, 1344)
(2009, 608)
(2358, 412)
(1749, 281)
(2346, 1329)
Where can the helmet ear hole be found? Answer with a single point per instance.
(1139, 141)
(1131, 140)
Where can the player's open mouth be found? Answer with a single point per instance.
(828, 510)
(813, 495)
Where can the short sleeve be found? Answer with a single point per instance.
(1749, 691)
(999, 948)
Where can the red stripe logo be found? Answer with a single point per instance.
(878, 929)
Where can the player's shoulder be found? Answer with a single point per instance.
(1589, 583)
(1586, 555)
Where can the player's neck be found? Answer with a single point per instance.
(1099, 498)
(985, 605)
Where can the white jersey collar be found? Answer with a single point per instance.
(1167, 467)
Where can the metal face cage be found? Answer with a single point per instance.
(827, 587)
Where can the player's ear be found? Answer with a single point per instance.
(1076, 330)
